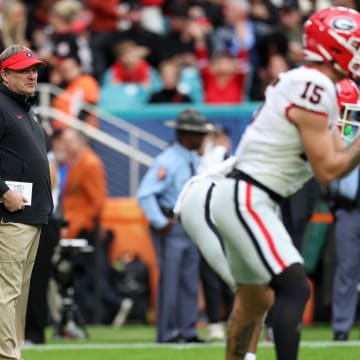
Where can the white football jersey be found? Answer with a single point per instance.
(271, 150)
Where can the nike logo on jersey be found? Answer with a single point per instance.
(19, 116)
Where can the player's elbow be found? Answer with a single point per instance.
(332, 167)
(325, 176)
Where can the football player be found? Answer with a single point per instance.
(292, 138)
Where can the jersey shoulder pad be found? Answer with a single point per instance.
(309, 89)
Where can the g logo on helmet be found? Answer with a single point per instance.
(344, 24)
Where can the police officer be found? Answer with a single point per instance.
(177, 255)
(344, 196)
(346, 233)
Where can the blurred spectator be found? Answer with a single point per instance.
(130, 66)
(212, 9)
(38, 31)
(84, 197)
(141, 36)
(223, 83)
(78, 88)
(197, 13)
(352, 4)
(169, 74)
(222, 78)
(37, 28)
(282, 40)
(68, 35)
(152, 18)
(215, 149)
(271, 44)
(85, 186)
(285, 40)
(37, 309)
(105, 17)
(264, 15)
(189, 26)
(179, 42)
(291, 25)
(277, 64)
(59, 153)
(237, 37)
(13, 26)
(222, 138)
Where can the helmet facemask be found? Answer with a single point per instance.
(348, 124)
(348, 99)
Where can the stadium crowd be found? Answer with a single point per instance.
(223, 51)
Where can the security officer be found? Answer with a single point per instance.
(177, 255)
(344, 196)
(346, 207)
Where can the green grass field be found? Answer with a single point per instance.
(137, 343)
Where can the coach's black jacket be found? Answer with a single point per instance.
(23, 157)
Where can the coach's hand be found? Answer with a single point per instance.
(13, 201)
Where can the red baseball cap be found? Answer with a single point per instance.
(21, 60)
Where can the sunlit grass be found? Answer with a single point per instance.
(137, 342)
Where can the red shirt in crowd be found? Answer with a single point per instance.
(152, 2)
(139, 74)
(215, 92)
(104, 14)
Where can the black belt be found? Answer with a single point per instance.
(169, 213)
(341, 202)
(239, 175)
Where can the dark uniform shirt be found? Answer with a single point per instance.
(23, 157)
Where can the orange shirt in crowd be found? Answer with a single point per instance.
(85, 193)
(85, 88)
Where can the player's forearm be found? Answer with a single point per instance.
(354, 153)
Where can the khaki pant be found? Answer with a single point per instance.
(18, 247)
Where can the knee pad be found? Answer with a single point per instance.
(292, 283)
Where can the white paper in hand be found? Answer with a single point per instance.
(24, 188)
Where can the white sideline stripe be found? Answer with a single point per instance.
(66, 346)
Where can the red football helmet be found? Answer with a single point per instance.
(348, 96)
(333, 35)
